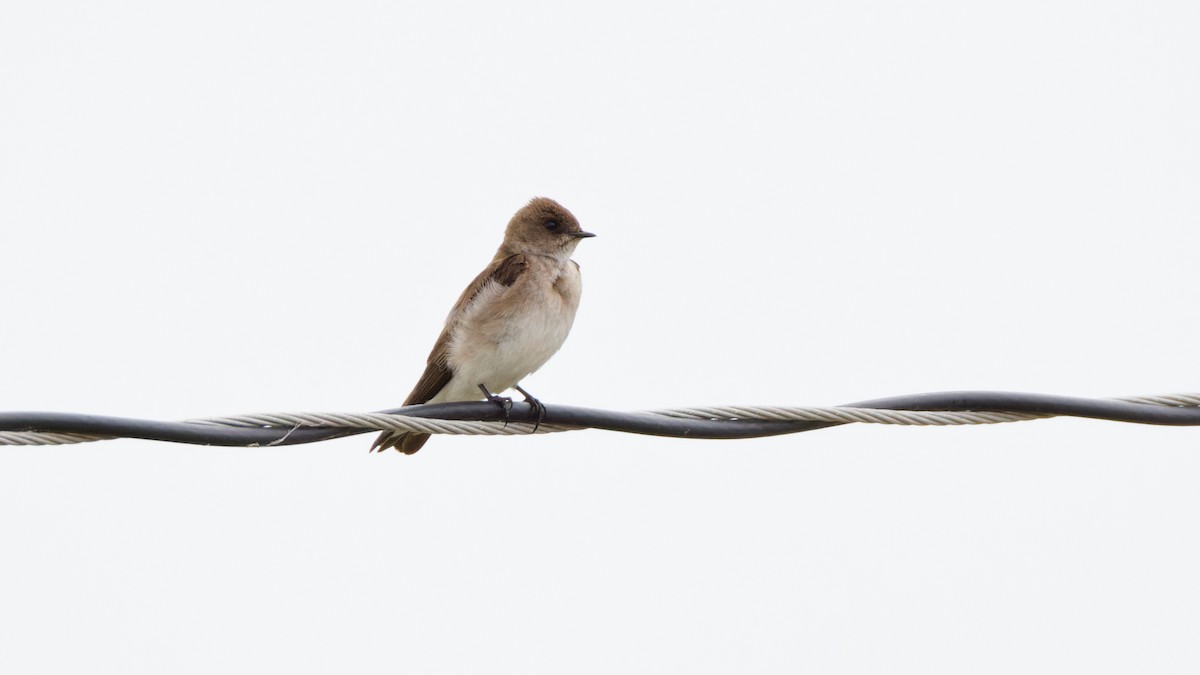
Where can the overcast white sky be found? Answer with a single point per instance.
(210, 208)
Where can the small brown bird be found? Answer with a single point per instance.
(511, 319)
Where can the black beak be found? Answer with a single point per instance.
(582, 235)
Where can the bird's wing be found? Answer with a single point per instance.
(505, 272)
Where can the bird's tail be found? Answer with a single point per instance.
(407, 442)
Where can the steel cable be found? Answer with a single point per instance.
(485, 418)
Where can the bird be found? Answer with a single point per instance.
(508, 322)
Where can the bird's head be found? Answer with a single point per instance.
(543, 227)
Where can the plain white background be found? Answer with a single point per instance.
(226, 207)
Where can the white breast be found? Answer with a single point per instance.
(509, 332)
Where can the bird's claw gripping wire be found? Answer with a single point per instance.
(537, 406)
(504, 402)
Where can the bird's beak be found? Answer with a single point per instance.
(582, 235)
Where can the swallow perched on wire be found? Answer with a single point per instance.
(511, 319)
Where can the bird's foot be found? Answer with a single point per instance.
(504, 402)
(537, 406)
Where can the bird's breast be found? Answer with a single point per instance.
(512, 331)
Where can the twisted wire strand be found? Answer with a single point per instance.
(847, 415)
(1176, 400)
(380, 422)
(481, 418)
(46, 438)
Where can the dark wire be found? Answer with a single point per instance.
(636, 423)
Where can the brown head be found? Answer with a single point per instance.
(544, 227)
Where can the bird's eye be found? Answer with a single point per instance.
(551, 224)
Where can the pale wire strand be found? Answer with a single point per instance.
(847, 415)
(45, 438)
(1172, 400)
(380, 422)
(394, 422)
